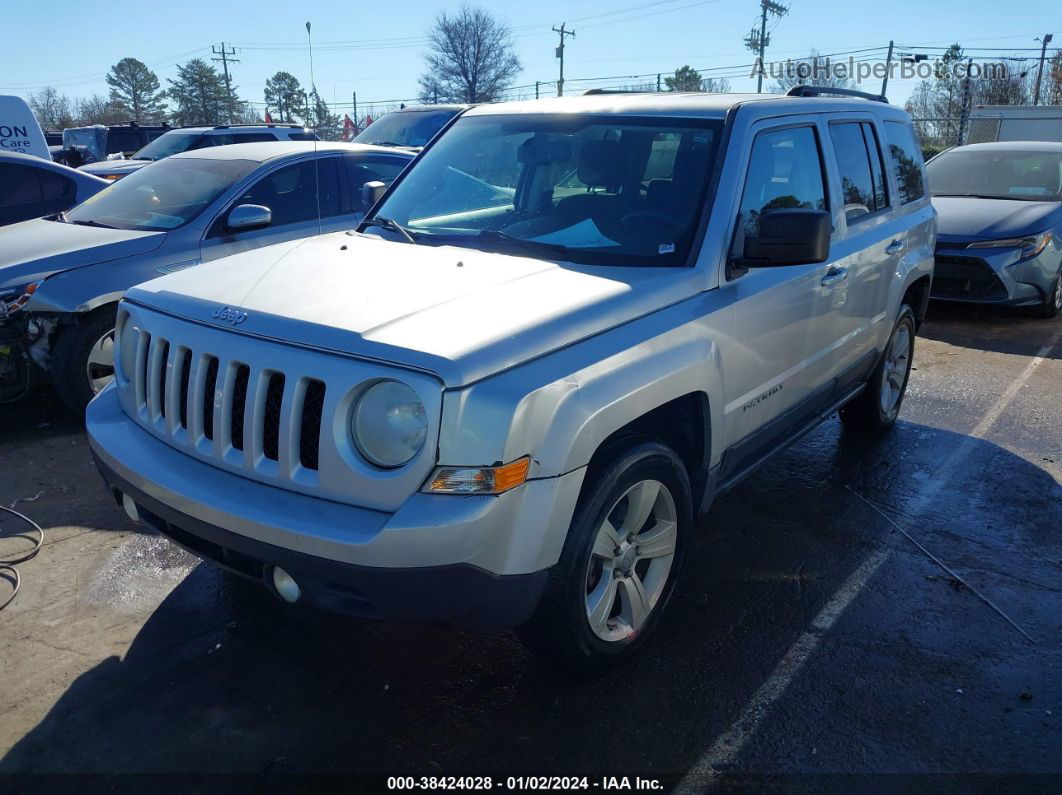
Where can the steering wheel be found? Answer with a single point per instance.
(652, 215)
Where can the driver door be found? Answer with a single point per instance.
(290, 192)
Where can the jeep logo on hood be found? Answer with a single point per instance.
(228, 315)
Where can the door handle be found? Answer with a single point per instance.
(895, 247)
(834, 276)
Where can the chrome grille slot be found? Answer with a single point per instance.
(274, 399)
(184, 380)
(210, 384)
(156, 378)
(310, 423)
(143, 351)
(239, 405)
(268, 411)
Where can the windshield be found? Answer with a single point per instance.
(405, 128)
(601, 190)
(161, 196)
(992, 173)
(166, 145)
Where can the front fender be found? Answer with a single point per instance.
(559, 409)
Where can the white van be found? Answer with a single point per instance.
(19, 130)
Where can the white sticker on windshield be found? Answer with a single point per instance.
(584, 234)
(1030, 191)
(165, 221)
(666, 248)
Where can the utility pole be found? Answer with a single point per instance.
(560, 54)
(536, 89)
(354, 98)
(757, 40)
(658, 82)
(967, 98)
(225, 61)
(888, 63)
(1040, 72)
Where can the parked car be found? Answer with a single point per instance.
(186, 139)
(96, 142)
(34, 187)
(61, 277)
(564, 330)
(411, 127)
(1000, 224)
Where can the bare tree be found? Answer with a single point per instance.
(53, 110)
(97, 109)
(715, 85)
(471, 58)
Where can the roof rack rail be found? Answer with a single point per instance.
(261, 124)
(818, 91)
(595, 91)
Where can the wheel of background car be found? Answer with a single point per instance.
(877, 407)
(620, 562)
(1052, 303)
(652, 215)
(83, 358)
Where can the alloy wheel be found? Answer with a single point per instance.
(631, 560)
(897, 363)
(100, 365)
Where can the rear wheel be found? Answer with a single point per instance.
(877, 407)
(83, 359)
(1052, 303)
(620, 562)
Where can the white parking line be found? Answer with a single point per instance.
(729, 744)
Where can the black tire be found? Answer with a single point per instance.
(865, 411)
(70, 357)
(1052, 303)
(560, 627)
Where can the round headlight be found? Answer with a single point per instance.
(389, 424)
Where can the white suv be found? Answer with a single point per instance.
(565, 329)
(186, 139)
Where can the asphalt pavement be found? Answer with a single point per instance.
(860, 613)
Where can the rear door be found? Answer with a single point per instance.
(867, 247)
(777, 373)
(290, 192)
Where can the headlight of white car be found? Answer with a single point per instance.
(389, 424)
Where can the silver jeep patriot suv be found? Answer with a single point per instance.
(506, 398)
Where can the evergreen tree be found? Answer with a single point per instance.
(135, 91)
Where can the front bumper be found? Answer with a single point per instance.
(473, 562)
(984, 276)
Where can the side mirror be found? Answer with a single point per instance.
(248, 216)
(789, 237)
(371, 192)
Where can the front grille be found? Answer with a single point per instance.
(272, 412)
(239, 409)
(967, 278)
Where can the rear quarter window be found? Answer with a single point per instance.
(906, 159)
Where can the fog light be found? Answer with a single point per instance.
(130, 508)
(286, 586)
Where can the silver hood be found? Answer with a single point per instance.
(34, 250)
(459, 313)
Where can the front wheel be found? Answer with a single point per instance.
(83, 359)
(620, 563)
(877, 407)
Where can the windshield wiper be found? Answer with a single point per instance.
(387, 143)
(505, 237)
(92, 223)
(387, 223)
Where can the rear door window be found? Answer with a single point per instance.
(906, 158)
(56, 188)
(859, 164)
(785, 172)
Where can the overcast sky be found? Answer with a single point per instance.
(376, 49)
